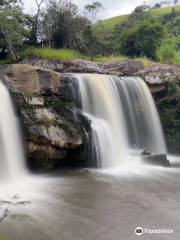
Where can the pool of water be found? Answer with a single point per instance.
(92, 205)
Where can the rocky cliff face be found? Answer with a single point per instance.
(163, 81)
(55, 131)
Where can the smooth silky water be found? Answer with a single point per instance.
(124, 118)
(88, 204)
(12, 164)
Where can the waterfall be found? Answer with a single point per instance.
(123, 115)
(12, 164)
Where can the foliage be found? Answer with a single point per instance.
(12, 27)
(177, 57)
(110, 23)
(167, 52)
(62, 26)
(92, 41)
(91, 10)
(63, 33)
(49, 53)
(141, 40)
(170, 112)
(146, 61)
(6, 61)
(164, 10)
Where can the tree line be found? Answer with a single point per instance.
(56, 24)
(143, 34)
(59, 24)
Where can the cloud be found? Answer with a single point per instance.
(111, 7)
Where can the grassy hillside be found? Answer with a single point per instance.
(112, 22)
(161, 11)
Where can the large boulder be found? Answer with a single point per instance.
(29, 79)
(54, 129)
(157, 160)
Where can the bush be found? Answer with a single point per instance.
(167, 52)
(177, 57)
(142, 39)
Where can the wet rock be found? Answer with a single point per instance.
(158, 160)
(146, 152)
(54, 129)
(44, 157)
(55, 136)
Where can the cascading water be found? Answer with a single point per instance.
(12, 164)
(123, 115)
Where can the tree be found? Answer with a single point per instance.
(157, 5)
(62, 26)
(167, 52)
(35, 22)
(140, 13)
(91, 10)
(141, 40)
(12, 26)
(93, 42)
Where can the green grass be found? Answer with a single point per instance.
(165, 10)
(177, 57)
(112, 22)
(48, 53)
(147, 62)
(6, 61)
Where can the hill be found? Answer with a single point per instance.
(156, 12)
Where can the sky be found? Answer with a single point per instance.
(111, 7)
